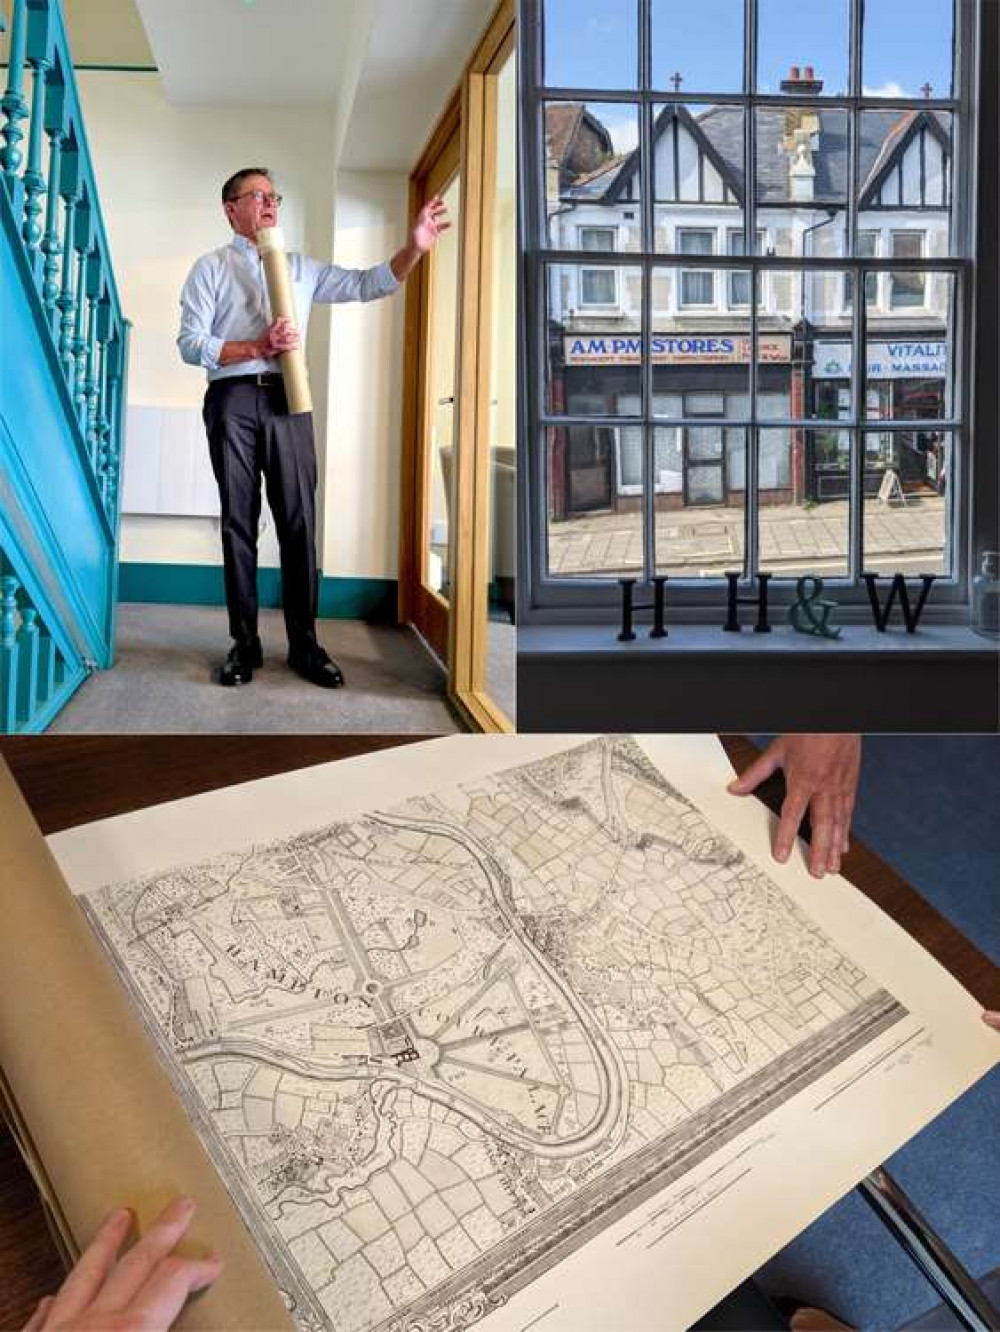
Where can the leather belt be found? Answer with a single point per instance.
(266, 380)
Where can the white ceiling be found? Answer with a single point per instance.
(385, 68)
(416, 54)
(253, 52)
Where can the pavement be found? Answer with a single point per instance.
(794, 539)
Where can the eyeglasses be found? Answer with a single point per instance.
(259, 195)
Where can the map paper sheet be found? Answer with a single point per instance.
(522, 1045)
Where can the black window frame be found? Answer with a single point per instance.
(973, 522)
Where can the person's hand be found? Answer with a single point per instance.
(821, 776)
(432, 221)
(992, 1020)
(282, 336)
(143, 1291)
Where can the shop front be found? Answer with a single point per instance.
(906, 379)
(701, 379)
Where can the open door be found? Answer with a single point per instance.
(427, 555)
(457, 540)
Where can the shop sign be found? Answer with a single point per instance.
(886, 360)
(687, 349)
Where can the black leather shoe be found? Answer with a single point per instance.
(318, 668)
(237, 669)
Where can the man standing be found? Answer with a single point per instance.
(226, 327)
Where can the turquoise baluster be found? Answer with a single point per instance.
(46, 666)
(94, 279)
(9, 586)
(13, 104)
(69, 190)
(118, 415)
(55, 126)
(83, 241)
(114, 436)
(103, 423)
(34, 181)
(27, 664)
(115, 352)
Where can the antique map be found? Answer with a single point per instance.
(434, 1049)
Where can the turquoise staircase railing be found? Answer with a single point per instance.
(63, 359)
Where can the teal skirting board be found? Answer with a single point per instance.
(202, 585)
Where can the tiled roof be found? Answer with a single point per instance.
(880, 134)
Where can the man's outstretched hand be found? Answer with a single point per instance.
(821, 777)
(143, 1291)
(432, 222)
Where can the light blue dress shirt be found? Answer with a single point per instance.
(225, 300)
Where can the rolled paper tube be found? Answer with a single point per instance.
(271, 245)
(83, 1090)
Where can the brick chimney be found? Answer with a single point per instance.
(803, 83)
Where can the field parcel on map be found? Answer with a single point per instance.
(499, 1049)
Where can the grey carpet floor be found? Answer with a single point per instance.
(928, 806)
(163, 681)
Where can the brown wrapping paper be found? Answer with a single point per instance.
(106, 1128)
(271, 246)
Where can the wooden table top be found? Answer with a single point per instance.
(69, 780)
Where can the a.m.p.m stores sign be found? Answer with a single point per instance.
(670, 349)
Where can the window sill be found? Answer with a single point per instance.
(575, 677)
(600, 640)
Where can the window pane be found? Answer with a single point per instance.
(600, 239)
(739, 290)
(907, 501)
(598, 286)
(904, 177)
(866, 248)
(594, 338)
(700, 491)
(698, 48)
(739, 283)
(591, 43)
(803, 48)
(696, 242)
(594, 501)
(802, 156)
(592, 177)
(804, 510)
(810, 365)
(909, 344)
(699, 347)
(697, 289)
(697, 171)
(907, 49)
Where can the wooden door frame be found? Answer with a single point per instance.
(468, 114)
(443, 149)
(473, 481)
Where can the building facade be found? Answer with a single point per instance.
(700, 316)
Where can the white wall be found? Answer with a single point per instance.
(361, 485)
(159, 170)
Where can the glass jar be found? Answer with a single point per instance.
(986, 596)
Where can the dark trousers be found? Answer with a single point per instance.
(250, 435)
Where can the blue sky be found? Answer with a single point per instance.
(594, 43)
